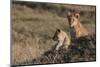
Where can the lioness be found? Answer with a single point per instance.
(62, 38)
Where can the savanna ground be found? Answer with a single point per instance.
(33, 26)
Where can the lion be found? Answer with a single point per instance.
(62, 38)
(77, 30)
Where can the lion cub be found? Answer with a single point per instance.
(62, 38)
(76, 28)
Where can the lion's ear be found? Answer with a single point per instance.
(69, 14)
(58, 30)
(77, 15)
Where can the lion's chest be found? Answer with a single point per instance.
(78, 31)
(73, 32)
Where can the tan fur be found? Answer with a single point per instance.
(62, 38)
(76, 28)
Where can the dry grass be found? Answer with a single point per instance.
(32, 32)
